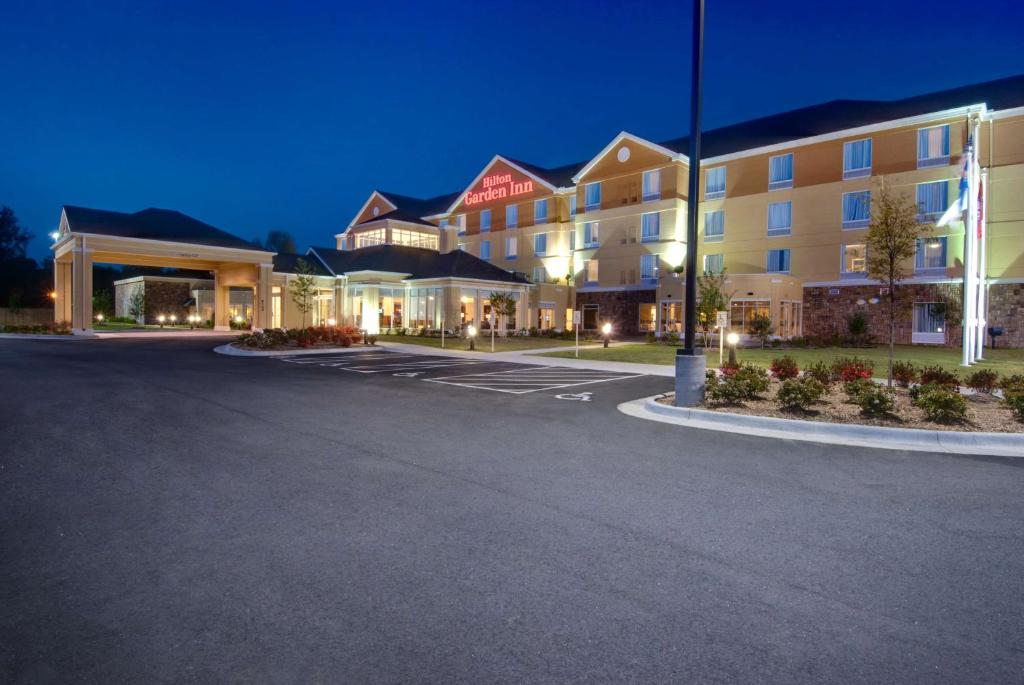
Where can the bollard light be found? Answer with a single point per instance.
(733, 338)
(160, 319)
(471, 332)
(174, 318)
(331, 322)
(606, 331)
(99, 317)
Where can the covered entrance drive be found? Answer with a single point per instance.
(153, 237)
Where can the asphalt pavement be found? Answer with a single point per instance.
(172, 515)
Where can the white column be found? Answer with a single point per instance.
(371, 306)
(982, 269)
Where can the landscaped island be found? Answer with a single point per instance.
(302, 338)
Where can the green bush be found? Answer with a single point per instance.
(936, 375)
(1012, 385)
(651, 337)
(737, 384)
(784, 368)
(857, 387)
(941, 404)
(121, 319)
(875, 400)
(904, 373)
(819, 371)
(799, 393)
(1015, 402)
(755, 378)
(983, 380)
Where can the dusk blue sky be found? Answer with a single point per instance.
(252, 116)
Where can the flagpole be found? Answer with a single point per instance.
(967, 299)
(982, 233)
(975, 270)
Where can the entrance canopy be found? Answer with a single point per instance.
(153, 237)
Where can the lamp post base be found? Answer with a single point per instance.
(690, 370)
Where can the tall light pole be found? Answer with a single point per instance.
(690, 362)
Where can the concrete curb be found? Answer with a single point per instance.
(876, 437)
(42, 336)
(230, 350)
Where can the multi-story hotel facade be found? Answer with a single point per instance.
(784, 209)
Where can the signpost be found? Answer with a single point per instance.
(721, 322)
(577, 317)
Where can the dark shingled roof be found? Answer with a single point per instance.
(560, 177)
(418, 262)
(288, 263)
(153, 224)
(413, 209)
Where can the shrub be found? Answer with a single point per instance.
(1015, 403)
(875, 400)
(760, 328)
(799, 393)
(942, 405)
(728, 390)
(904, 373)
(983, 380)
(936, 375)
(851, 368)
(729, 369)
(671, 338)
(855, 388)
(371, 339)
(57, 328)
(1012, 385)
(784, 368)
(737, 383)
(776, 342)
(799, 341)
(121, 319)
(819, 371)
(857, 327)
(651, 337)
(754, 377)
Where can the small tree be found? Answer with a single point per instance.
(102, 303)
(711, 299)
(891, 242)
(503, 305)
(303, 288)
(137, 304)
(760, 327)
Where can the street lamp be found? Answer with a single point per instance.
(733, 338)
(606, 331)
(471, 332)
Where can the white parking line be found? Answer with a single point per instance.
(411, 366)
(523, 381)
(353, 357)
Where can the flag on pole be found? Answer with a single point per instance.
(960, 204)
(981, 206)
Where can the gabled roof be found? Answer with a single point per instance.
(509, 162)
(288, 263)
(559, 176)
(418, 262)
(153, 224)
(624, 135)
(412, 209)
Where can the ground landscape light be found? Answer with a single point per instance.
(606, 329)
(331, 322)
(732, 338)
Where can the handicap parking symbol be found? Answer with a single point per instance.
(407, 374)
(576, 396)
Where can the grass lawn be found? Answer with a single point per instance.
(109, 326)
(1005, 361)
(483, 342)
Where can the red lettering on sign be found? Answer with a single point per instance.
(497, 187)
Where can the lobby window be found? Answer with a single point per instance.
(649, 267)
(590, 271)
(368, 238)
(485, 249)
(485, 220)
(778, 261)
(652, 185)
(511, 216)
(931, 254)
(780, 172)
(540, 212)
(540, 244)
(714, 263)
(650, 226)
(857, 209)
(592, 196)
(857, 158)
(933, 146)
(714, 184)
(714, 226)
(929, 323)
(854, 259)
(931, 200)
(591, 234)
(780, 218)
(460, 224)
(511, 248)
(401, 236)
(540, 274)
(572, 206)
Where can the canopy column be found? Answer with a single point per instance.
(81, 288)
(261, 297)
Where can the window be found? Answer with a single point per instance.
(933, 146)
(511, 216)
(368, 238)
(929, 323)
(857, 158)
(714, 226)
(591, 237)
(590, 270)
(650, 226)
(590, 316)
(540, 244)
(714, 184)
(780, 218)
(485, 220)
(511, 248)
(931, 200)
(460, 224)
(857, 209)
(540, 212)
(854, 260)
(931, 253)
(714, 263)
(780, 172)
(485, 249)
(649, 267)
(402, 236)
(778, 261)
(742, 312)
(443, 223)
(572, 206)
(652, 185)
(592, 197)
(539, 274)
(572, 239)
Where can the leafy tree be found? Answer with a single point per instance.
(711, 299)
(503, 305)
(891, 243)
(280, 241)
(13, 238)
(760, 327)
(103, 303)
(137, 304)
(303, 288)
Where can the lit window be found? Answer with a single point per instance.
(931, 253)
(511, 216)
(652, 185)
(650, 226)
(485, 220)
(485, 249)
(572, 206)
(592, 197)
(460, 224)
(929, 322)
(368, 238)
(591, 234)
(714, 225)
(540, 212)
(780, 172)
(857, 158)
(854, 259)
(931, 200)
(540, 244)
(539, 274)
(714, 184)
(780, 218)
(933, 146)
(649, 267)
(714, 263)
(857, 209)
(572, 239)
(511, 248)
(590, 270)
(778, 261)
